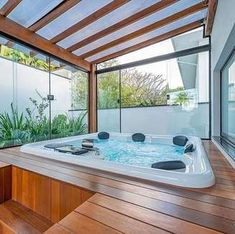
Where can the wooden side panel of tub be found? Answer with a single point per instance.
(48, 197)
(5, 182)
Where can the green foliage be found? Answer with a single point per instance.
(36, 119)
(63, 126)
(24, 58)
(79, 87)
(13, 128)
(181, 98)
(19, 128)
(142, 88)
(137, 89)
(108, 90)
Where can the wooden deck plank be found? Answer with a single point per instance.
(145, 215)
(152, 204)
(78, 223)
(19, 219)
(118, 221)
(6, 229)
(58, 229)
(28, 216)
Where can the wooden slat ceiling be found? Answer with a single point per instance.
(84, 32)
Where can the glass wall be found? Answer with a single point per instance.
(191, 39)
(108, 94)
(228, 100)
(165, 98)
(69, 87)
(40, 98)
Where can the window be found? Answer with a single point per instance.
(165, 98)
(228, 100)
(41, 98)
(183, 41)
(108, 93)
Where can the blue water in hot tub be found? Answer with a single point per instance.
(136, 153)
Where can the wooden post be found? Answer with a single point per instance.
(92, 105)
(212, 5)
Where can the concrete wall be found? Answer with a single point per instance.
(161, 120)
(222, 43)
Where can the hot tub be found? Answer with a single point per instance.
(119, 154)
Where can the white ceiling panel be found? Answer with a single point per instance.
(173, 9)
(177, 24)
(112, 18)
(28, 12)
(71, 17)
(2, 3)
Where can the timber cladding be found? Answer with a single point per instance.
(5, 182)
(48, 197)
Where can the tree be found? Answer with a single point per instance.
(137, 88)
(142, 88)
(79, 89)
(108, 90)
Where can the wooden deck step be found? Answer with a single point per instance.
(15, 218)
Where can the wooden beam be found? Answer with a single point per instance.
(146, 29)
(9, 7)
(89, 19)
(59, 10)
(151, 41)
(210, 16)
(17, 31)
(92, 111)
(123, 23)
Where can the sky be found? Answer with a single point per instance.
(169, 69)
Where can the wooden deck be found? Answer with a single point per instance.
(125, 205)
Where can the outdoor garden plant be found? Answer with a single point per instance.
(34, 125)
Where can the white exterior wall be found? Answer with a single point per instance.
(202, 81)
(18, 83)
(222, 43)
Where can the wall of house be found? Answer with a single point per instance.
(222, 43)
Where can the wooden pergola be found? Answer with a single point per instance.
(84, 32)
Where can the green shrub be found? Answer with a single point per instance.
(17, 128)
(13, 128)
(62, 125)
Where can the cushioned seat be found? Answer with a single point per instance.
(138, 137)
(189, 148)
(180, 140)
(103, 135)
(169, 165)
